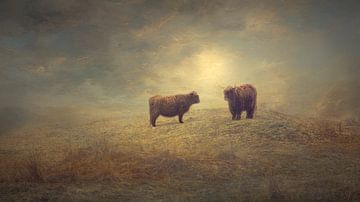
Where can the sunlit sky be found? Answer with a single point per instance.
(303, 56)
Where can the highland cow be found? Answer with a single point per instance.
(241, 98)
(169, 106)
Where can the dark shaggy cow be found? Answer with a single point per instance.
(241, 98)
(169, 106)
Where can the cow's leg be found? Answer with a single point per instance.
(153, 118)
(181, 117)
(233, 115)
(250, 113)
(238, 116)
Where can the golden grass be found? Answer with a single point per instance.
(274, 157)
(103, 162)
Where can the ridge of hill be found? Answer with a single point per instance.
(210, 157)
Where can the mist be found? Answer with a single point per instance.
(301, 55)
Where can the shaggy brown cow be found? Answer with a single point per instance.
(170, 106)
(241, 98)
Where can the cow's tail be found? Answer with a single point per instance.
(254, 102)
(151, 103)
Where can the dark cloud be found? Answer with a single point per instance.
(87, 52)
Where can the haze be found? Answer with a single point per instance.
(303, 56)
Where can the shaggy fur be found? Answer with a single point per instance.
(241, 98)
(169, 106)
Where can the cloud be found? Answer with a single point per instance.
(105, 52)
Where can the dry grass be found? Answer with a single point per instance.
(209, 158)
(30, 169)
(102, 162)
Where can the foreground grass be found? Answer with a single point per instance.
(274, 157)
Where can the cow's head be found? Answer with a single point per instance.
(194, 97)
(229, 93)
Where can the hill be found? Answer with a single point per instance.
(208, 158)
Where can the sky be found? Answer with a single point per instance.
(302, 56)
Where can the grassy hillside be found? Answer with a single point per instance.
(208, 158)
